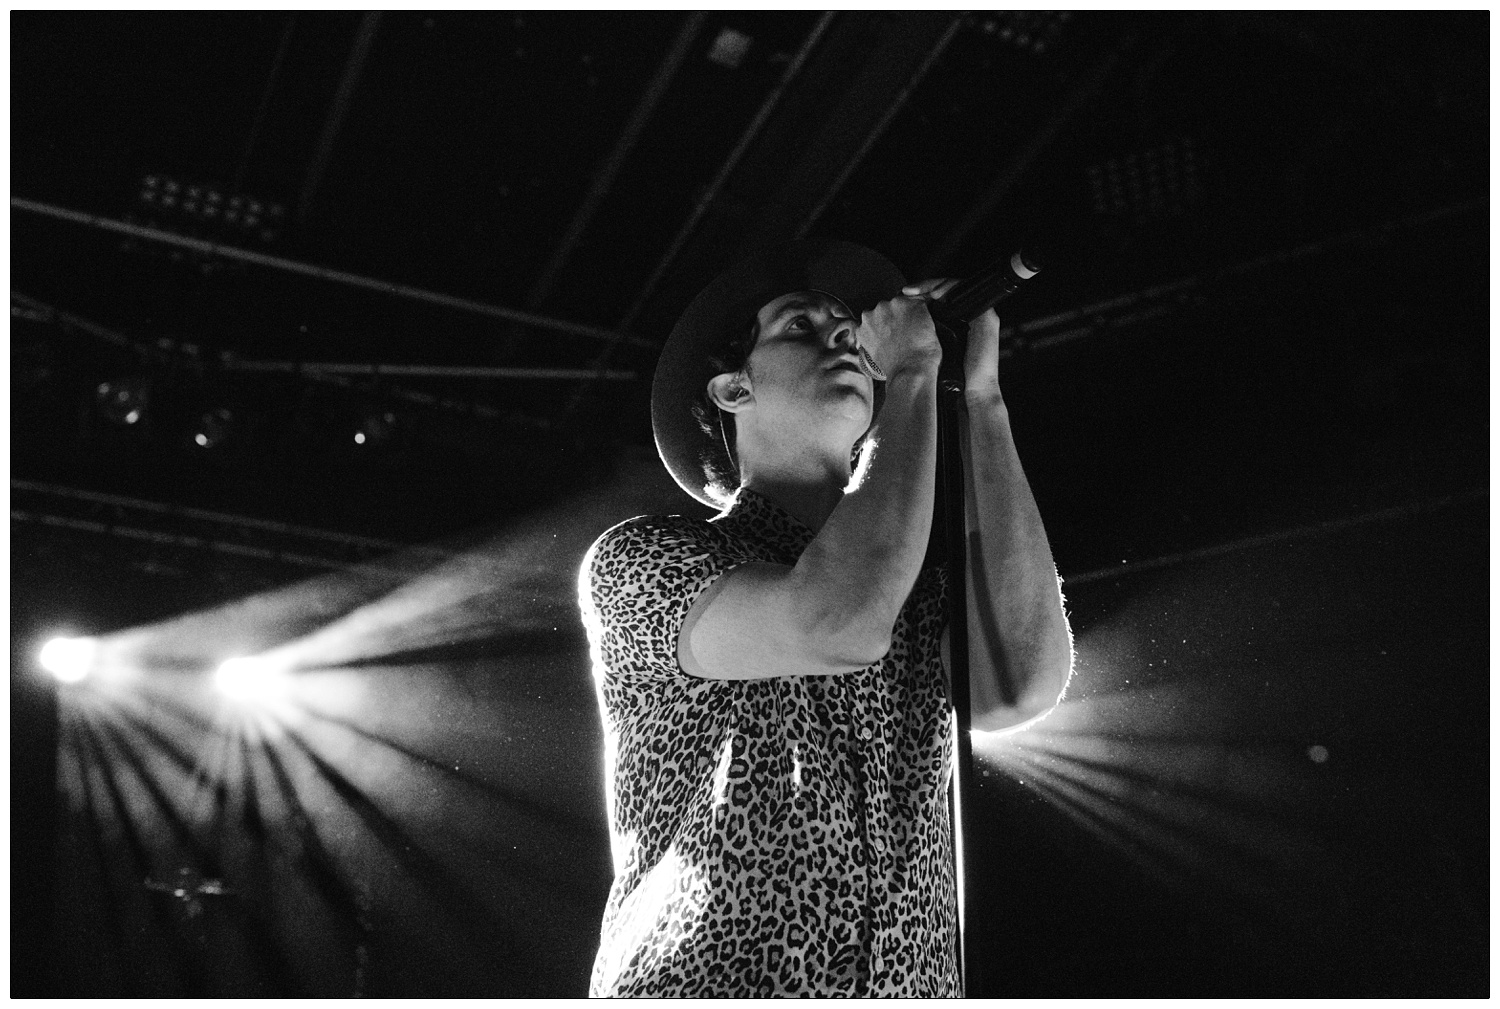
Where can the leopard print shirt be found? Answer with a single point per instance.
(781, 836)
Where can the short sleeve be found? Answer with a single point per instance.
(924, 618)
(636, 586)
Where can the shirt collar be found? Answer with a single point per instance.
(757, 513)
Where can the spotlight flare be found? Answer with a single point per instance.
(250, 680)
(69, 659)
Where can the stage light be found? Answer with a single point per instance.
(250, 680)
(978, 733)
(182, 206)
(213, 428)
(69, 659)
(123, 401)
(375, 428)
(730, 48)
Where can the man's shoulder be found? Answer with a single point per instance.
(657, 535)
(650, 561)
(645, 527)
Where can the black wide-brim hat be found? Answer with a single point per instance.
(725, 309)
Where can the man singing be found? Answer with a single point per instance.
(772, 682)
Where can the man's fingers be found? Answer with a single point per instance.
(934, 288)
(895, 332)
(922, 289)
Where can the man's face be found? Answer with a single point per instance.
(805, 367)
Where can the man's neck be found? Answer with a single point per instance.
(804, 469)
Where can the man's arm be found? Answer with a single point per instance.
(1016, 615)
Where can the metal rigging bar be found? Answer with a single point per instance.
(170, 350)
(762, 115)
(364, 39)
(177, 525)
(227, 361)
(1164, 298)
(1017, 165)
(875, 133)
(604, 176)
(325, 273)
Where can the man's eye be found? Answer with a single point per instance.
(800, 323)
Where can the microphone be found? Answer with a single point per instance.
(969, 299)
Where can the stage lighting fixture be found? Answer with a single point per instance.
(69, 659)
(375, 428)
(250, 680)
(730, 48)
(1026, 30)
(213, 428)
(123, 401)
(1149, 185)
(181, 206)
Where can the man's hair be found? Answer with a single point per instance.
(720, 468)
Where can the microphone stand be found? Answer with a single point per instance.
(952, 314)
(951, 508)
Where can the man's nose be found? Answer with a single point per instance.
(841, 334)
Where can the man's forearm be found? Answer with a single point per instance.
(867, 556)
(1016, 615)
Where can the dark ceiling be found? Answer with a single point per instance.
(1269, 302)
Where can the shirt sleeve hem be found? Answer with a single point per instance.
(685, 659)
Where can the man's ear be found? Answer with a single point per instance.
(730, 391)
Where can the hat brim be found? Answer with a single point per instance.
(726, 308)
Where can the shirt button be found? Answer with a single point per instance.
(880, 845)
(878, 965)
(867, 733)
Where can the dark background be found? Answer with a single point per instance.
(1250, 390)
